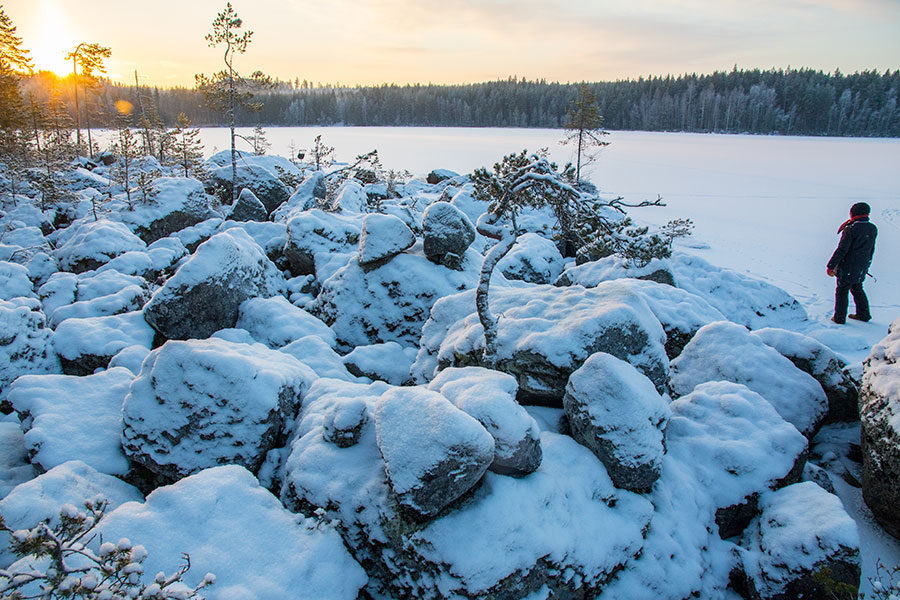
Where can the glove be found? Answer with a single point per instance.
(830, 272)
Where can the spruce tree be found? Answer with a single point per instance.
(13, 115)
(187, 149)
(584, 128)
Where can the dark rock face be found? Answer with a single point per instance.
(248, 208)
(447, 231)
(616, 412)
(178, 423)
(879, 404)
(205, 294)
(264, 184)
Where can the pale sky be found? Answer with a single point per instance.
(462, 41)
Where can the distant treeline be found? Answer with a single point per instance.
(788, 102)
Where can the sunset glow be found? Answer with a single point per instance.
(52, 40)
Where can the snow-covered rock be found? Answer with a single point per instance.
(533, 258)
(203, 403)
(237, 530)
(820, 361)
(318, 355)
(192, 237)
(433, 452)
(613, 267)
(40, 499)
(25, 342)
(439, 175)
(614, 410)
(503, 540)
(389, 362)
(206, 292)
(247, 208)
(802, 533)
(736, 446)
(154, 263)
(73, 418)
(391, 302)
(448, 233)
(276, 322)
(85, 345)
(14, 282)
(726, 351)
(383, 237)
(306, 197)
(88, 244)
(545, 333)
(93, 294)
(264, 184)
(174, 203)
(319, 243)
(490, 397)
(350, 198)
(879, 407)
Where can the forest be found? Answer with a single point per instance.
(785, 102)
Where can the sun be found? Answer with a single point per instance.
(51, 40)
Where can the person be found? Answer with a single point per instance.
(850, 263)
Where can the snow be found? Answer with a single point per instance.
(726, 351)
(40, 499)
(732, 441)
(533, 258)
(14, 466)
(235, 529)
(882, 376)
(319, 355)
(388, 362)
(14, 282)
(25, 342)
(101, 336)
(88, 244)
(276, 322)
(383, 236)
(87, 426)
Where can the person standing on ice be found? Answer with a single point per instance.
(850, 263)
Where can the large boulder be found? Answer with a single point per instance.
(545, 333)
(174, 203)
(383, 237)
(85, 345)
(276, 322)
(802, 545)
(813, 357)
(448, 233)
(533, 258)
(433, 452)
(726, 351)
(203, 403)
(206, 293)
(319, 243)
(879, 407)
(88, 244)
(502, 540)
(389, 303)
(735, 445)
(490, 397)
(25, 342)
(247, 208)
(264, 184)
(614, 410)
(87, 426)
(221, 518)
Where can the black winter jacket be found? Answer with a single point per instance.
(854, 253)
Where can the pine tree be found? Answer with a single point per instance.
(90, 58)
(13, 116)
(187, 149)
(227, 90)
(127, 150)
(584, 128)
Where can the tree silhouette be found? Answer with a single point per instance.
(90, 58)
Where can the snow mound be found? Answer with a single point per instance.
(388, 362)
(86, 245)
(86, 426)
(545, 333)
(14, 282)
(490, 397)
(615, 411)
(93, 294)
(205, 294)
(40, 499)
(174, 203)
(203, 403)
(728, 352)
(383, 237)
(592, 273)
(235, 529)
(389, 303)
(319, 356)
(85, 345)
(533, 258)
(801, 531)
(14, 467)
(276, 322)
(735, 445)
(25, 342)
(319, 243)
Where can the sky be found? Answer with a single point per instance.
(370, 42)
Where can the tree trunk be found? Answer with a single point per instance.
(490, 321)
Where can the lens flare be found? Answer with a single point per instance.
(124, 107)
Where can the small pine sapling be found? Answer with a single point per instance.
(64, 564)
(187, 152)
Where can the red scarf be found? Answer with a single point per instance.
(851, 220)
